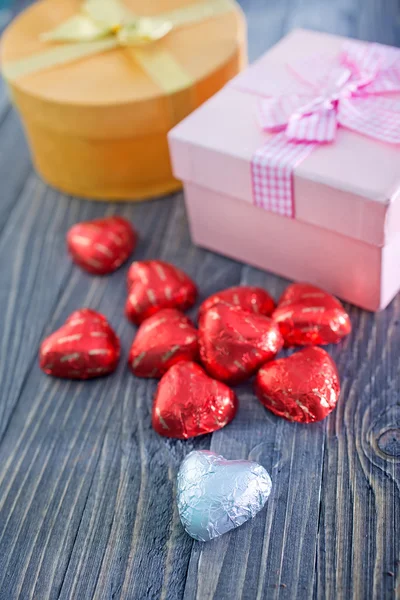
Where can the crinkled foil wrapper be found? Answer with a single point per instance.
(216, 495)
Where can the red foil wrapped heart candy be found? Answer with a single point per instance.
(102, 245)
(308, 316)
(235, 343)
(304, 387)
(161, 341)
(153, 285)
(85, 347)
(189, 403)
(250, 298)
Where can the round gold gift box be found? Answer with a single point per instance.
(97, 127)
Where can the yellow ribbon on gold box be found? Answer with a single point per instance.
(104, 25)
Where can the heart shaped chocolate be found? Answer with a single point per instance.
(235, 343)
(308, 316)
(161, 341)
(102, 245)
(304, 387)
(85, 347)
(153, 285)
(189, 403)
(216, 495)
(250, 298)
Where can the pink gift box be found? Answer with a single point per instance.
(345, 234)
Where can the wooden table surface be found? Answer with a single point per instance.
(87, 488)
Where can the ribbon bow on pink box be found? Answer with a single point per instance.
(356, 90)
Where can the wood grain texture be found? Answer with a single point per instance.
(87, 489)
(13, 173)
(273, 555)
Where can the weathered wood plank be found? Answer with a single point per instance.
(145, 552)
(359, 549)
(33, 269)
(15, 164)
(52, 444)
(4, 100)
(378, 21)
(266, 23)
(274, 555)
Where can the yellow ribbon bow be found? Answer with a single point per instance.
(107, 24)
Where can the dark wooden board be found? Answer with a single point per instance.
(87, 489)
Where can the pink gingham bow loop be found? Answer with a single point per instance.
(356, 90)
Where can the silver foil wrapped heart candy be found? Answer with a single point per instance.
(216, 495)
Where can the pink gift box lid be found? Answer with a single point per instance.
(351, 186)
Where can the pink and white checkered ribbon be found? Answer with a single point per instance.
(357, 90)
